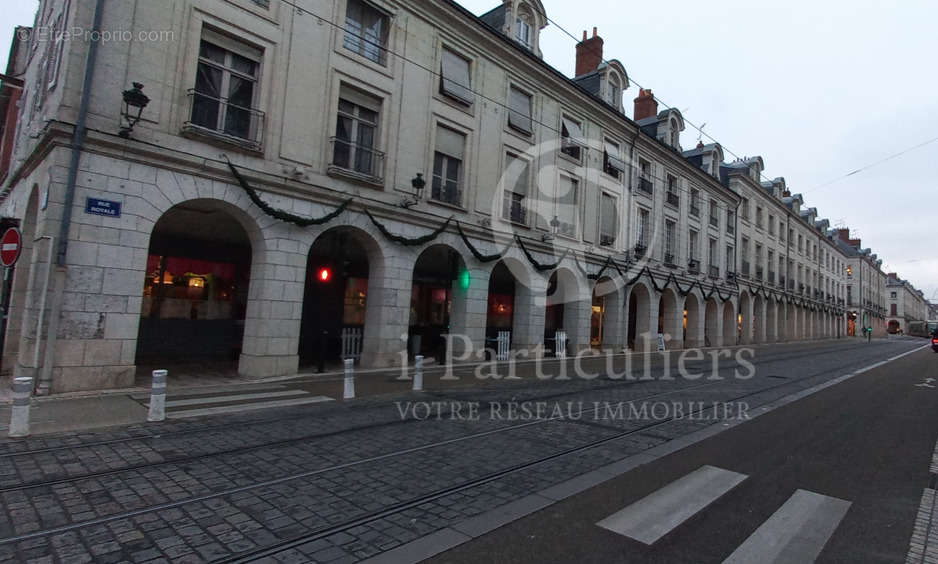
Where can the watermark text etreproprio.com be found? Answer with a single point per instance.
(76, 33)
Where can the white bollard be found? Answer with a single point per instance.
(418, 373)
(349, 392)
(19, 416)
(158, 396)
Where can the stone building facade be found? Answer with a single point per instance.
(408, 171)
(904, 303)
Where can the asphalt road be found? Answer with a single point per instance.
(867, 440)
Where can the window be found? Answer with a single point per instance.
(771, 224)
(366, 31)
(448, 165)
(226, 87)
(57, 33)
(800, 244)
(454, 77)
(759, 217)
(668, 241)
(714, 266)
(744, 254)
(692, 245)
(356, 133)
(572, 140)
(519, 110)
(643, 218)
(781, 231)
(515, 189)
(730, 259)
(892, 309)
(745, 209)
(730, 221)
(608, 221)
(672, 196)
(565, 206)
(675, 134)
(613, 164)
(613, 90)
(714, 214)
(523, 30)
(644, 180)
(695, 202)
(892, 295)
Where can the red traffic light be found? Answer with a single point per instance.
(324, 274)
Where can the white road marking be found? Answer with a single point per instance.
(244, 407)
(796, 533)
(233, 397)
(660, 512)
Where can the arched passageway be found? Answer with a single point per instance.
(731, 323)
(335, 302)
(692, 321)
(638, 316)
(439, 274)
(195, 293)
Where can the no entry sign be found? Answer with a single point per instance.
(10, 246)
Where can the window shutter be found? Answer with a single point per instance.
(519, 111)
(574, 133)
(450, 143)
(615, 160)
(456, 82)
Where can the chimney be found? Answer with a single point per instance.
(844, 235)
(854, 243)
(892, 275)
(645, 105)
(589, 54)
(786, 194)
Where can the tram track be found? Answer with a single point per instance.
(370, 460)
(441, 394)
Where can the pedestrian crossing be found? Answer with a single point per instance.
(197, 403)
(795, 534)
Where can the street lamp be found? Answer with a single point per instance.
(418, 184)
(134, 102)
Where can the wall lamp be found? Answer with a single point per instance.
(418, 183)
(134, 103)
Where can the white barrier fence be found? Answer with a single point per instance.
(560, 344)
(503, 342)
(352, 343)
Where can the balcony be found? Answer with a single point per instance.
(714, 271)
(220, 120)
(669, 259)
(694, 210)
(639, 250)
(791, 284)
(771, 277)
(745, 270)
(759, 272)
(693, 265)
(355, 160)
(781, 281)
(673, 199)
(606, 240)
(645, 185)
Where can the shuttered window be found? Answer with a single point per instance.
(454, 80)
(519, 111)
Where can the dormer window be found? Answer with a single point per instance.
(613, 90)
(523, 30)
(675, 134)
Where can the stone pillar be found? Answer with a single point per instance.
(528, 319)
(577, 316)
(646, 336)
(387, 317)
(759, 321)
(470, 310)
(614, 321)
(673, 325)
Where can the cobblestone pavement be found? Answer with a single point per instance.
(342, 482)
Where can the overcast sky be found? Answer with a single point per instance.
(817, 88)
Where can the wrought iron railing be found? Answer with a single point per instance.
(357, 159)
(219, 118)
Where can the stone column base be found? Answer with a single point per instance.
(255, 366)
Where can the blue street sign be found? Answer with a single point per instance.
(97, 206)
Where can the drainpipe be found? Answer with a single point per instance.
(78, 141)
